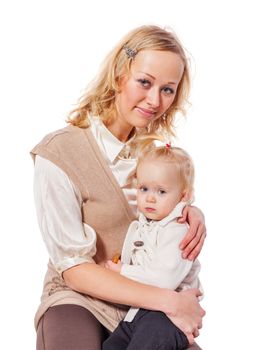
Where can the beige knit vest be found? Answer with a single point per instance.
(105, 208)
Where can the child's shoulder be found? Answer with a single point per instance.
(175, 224)
(176, 228)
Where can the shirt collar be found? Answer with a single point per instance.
(174, 214)
(110, 144)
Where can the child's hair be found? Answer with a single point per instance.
(177, 156)
(99, 98)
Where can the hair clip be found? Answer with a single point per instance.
(131, 53)
(168, 145)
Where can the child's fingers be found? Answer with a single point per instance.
(116, 258)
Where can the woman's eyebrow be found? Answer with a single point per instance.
(151, 76)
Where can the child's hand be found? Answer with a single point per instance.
(114, 267)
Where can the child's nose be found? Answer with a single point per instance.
(151, 198)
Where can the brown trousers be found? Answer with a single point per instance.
(72, 327)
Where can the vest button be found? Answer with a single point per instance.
(138, 243)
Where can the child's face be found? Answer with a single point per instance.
(159, 188)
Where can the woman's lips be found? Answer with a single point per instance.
(146, 112)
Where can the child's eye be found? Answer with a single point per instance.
(168, 91)
(161, 192)
(143, 189)
(144, 82)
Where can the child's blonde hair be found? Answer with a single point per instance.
(177, 156)
(99, 98)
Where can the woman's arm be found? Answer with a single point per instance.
(182, 308)
(192, 243)
(68, 241)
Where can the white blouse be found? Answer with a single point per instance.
(58, 201)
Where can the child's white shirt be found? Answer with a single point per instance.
(151, 255)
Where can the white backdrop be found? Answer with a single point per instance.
(49, 52)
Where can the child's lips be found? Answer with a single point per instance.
(150, 210)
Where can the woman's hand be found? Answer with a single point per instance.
(183, 308)
(192, 243)
(116, 267)
(188, 313)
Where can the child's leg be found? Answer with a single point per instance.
(153, 330)
(194, 347)
(119, 339)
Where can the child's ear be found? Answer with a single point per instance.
(186, 196)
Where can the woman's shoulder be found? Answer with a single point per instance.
(61, 138)
(58, 134)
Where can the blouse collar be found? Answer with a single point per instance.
(110, 144)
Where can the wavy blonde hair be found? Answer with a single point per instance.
(99, 97)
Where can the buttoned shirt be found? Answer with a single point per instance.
(151, 254)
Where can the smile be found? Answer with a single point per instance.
(146, 112)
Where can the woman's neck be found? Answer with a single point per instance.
(121, 131)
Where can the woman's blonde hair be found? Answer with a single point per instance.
(177, 156)
(99, 98)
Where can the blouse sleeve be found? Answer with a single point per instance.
(69, 241)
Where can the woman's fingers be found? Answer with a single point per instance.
(194, 246)
(190, 338)
(184, 215)
(192, 243)
(192, 231)
(188, 317)
(196, 333)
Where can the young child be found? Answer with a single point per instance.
(150, 254)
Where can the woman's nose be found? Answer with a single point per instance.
(153, 98)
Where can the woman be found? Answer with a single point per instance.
(85, 202)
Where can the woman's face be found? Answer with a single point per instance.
(148, 91)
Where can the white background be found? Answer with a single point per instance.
(49, 52)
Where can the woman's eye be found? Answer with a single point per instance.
(144, 82)
(168, 91)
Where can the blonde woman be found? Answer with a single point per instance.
(85, 202)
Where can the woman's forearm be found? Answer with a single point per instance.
(104, 284)
(182, 308)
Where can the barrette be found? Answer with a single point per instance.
(131, 53)
(168, 145)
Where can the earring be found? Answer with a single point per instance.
(164, 116)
